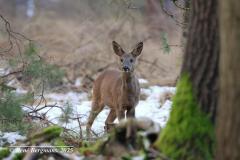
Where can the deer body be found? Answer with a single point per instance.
(119, 90)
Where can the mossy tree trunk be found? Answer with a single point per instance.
(202, 54)
(228, 120)
(189, 133)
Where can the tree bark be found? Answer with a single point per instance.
(186, 22)
(228, 120)
(202, 54)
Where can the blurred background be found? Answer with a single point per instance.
(76, 35)
(52, 50)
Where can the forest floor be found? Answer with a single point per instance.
(82, 48)
(155, 104)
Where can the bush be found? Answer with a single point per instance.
(38, 69)
(4, 152)
(11, 114)
(35, 70)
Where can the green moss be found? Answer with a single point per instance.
(47, 134)
(53, 130)
(126, 157)
(59, 142)
(18, 156)
(91, 148)
(189, 133)
(4, 152)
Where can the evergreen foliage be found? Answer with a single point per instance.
(35, 70)
(165, 45)
(11, 114)
(66, 113)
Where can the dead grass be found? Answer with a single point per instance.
(82, 47)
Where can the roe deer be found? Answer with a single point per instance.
(117, 90)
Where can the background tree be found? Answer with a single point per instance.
(228, 120)
(189, 133)
(202, 54)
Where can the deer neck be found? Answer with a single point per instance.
(127, 81)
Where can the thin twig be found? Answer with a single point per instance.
(181, 24)
(178, 6)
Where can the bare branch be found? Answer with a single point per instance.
(175, 2)
(179, 23)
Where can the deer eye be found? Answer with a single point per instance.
(131, 60)
(121, 60)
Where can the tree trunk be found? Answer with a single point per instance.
(228, 120)
(202, 54)
(189, 133)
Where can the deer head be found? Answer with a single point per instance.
(127, 60)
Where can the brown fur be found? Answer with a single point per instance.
(117, 90)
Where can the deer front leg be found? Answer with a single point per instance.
(131, 113)
(120, 114)
(109, 121)
(96, 109)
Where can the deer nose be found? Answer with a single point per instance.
(125, 68)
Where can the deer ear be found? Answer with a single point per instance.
(117, 48)
(138, 49)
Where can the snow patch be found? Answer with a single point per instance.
(150, 108)
(10, 137)
(78, 82)
(142, 81)
(72, 97)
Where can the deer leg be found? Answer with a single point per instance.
(96, 109)
(120, 114)
(131, 113)
(109, 121)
